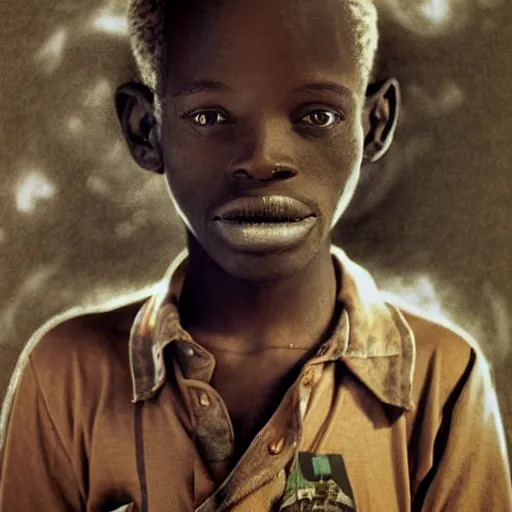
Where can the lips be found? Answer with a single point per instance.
(266, 209)
(263, 224)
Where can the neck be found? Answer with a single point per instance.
(223, 312)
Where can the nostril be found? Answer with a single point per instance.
(241, 174)
(280, 173)
(283, 174)
(277, 173)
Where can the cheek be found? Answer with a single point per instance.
(343, 156)
(181, 198)
(194, 177)
(345, 161)
(189, 156)
(188, 191)
(181, 177)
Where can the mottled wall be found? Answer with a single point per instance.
(80, 224)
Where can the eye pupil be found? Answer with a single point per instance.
(320, 118)
(205, 119)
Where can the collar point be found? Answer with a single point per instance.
(410, 406)
(142, 396)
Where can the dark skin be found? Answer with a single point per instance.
(222, 142)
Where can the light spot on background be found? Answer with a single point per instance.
(423, 295)
(75, 125)
(138, 221)
(98, 185)
(125, 230)
(51, 54)
(436, 10)
(429, 17)
(418, 291)
(444, 99)
(33, 189)
(451, 97)
(115, 25)
(98, 95)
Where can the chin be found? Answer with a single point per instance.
(262, 268)
(260, 253)
(266, 266)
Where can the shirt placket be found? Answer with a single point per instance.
(270, 451)
(213, 430)
(273, 448)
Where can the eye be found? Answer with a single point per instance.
(320, 118)
(207, 118)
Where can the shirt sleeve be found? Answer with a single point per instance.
(470, 464)
(36, 472)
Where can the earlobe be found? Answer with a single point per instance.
(134, 108)
(381, 113)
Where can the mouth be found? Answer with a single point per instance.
(263, 210)
(264, 224)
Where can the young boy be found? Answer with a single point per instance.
(268, 373)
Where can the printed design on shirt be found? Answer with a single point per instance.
(317, 482)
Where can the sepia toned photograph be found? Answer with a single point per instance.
(255, 255)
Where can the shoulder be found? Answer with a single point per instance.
(435, 338)
(83, 334)
(81, 354)
(74, 378)
(445, 357)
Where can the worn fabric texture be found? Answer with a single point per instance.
(116, 408)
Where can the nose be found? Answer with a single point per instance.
(265, 154)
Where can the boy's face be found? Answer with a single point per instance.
(251, 85)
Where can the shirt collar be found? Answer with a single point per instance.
(372, 338)
(380, 346)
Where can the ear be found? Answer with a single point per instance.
(134, 107)
(380, 118)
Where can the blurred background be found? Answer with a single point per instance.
(80, 224)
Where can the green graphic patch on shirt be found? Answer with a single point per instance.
(317, 482)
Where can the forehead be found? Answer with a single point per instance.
(229, 38)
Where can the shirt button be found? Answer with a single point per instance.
(276, 447)
(308, 377)
(204, 400)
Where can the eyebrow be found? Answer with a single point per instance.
(205, 85)
(201, 86)
(325, 86)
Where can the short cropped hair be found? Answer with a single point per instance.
(147, 22)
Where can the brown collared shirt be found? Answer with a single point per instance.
(116, 408)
